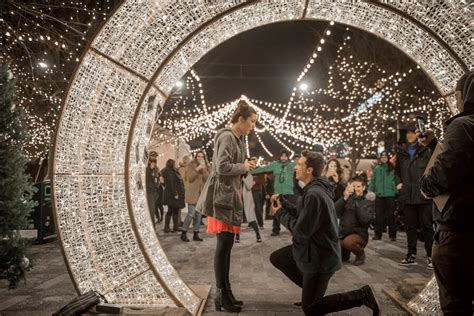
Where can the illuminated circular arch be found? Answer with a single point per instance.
(128, 71)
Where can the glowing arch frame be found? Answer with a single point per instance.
(106, 234)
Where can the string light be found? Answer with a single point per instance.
(42, 45)
(354, 115)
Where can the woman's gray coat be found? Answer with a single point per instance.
(221, 195)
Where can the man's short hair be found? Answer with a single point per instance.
(284, 152)
(314, 160)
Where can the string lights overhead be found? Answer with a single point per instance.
(360, 104)
(42, 44)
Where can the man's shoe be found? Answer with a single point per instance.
(376, 238)
(298, 304)
(430, 264)
(275, 234)
(370, 300)
(359, 260)
(410, 260)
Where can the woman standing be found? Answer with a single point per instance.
(197, 172)
(152, 186)
(221, 200)
(333, 172)
(173, 195)
(383, 185)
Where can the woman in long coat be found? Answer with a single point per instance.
(173, 195)
(197, 172)
(221, 200)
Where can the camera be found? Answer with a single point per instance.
(275, 204)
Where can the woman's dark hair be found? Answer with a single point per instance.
(339, 170)
(390, 166)
(243, 110)
(314, 160)
(170, 164)
(203, 153)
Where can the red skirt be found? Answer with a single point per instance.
(215, 226)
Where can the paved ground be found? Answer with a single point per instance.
(264, 289)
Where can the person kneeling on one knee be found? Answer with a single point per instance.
(354, 209)
(314, 255)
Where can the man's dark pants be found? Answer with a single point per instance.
(314, 286)
(259, 201)
(453, 262)
(276, 222)
(385, 209)
(419, 215)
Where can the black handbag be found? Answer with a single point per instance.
(81, 304)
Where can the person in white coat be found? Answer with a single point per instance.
(249, 204)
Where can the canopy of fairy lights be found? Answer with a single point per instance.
(126, 74)
(359, 104)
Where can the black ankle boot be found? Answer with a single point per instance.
(232, 298)
(184, 237)
(196, 237)
(222, 301)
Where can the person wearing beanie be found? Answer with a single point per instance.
(412, 159)
(452, 174)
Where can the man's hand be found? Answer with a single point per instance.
(399, 186)
(425, 139)
(276, 204)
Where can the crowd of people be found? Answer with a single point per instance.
(328, 215)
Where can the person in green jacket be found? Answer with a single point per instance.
(382, 184)
(283, 172)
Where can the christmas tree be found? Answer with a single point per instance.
(16, 188)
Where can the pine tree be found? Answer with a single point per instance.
(16, 188)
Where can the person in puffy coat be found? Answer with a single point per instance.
(173, 195)
(354, 210)
(412, 159)
(452, 174)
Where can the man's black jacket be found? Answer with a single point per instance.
(453, 171)
(355, 215)
(409, 172)
(313, 224)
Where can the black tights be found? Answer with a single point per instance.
(225, 241)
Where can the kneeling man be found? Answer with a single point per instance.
(315, 254)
